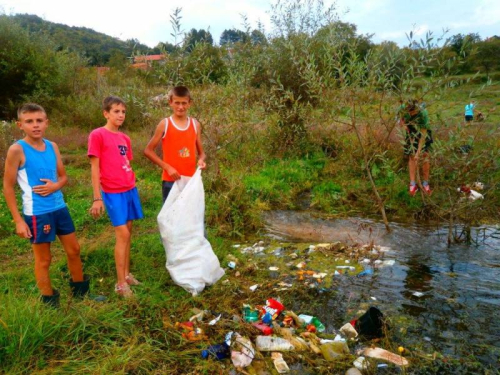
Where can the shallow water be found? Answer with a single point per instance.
(459, 311)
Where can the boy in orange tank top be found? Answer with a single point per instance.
(180, 138)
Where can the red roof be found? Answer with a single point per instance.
(139, 59)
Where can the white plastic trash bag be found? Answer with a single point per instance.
(191, 261)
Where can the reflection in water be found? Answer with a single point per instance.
(457, 312)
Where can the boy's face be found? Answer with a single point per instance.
(116, 115)
(180, 105)
(33, 124)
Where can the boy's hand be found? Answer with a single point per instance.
(23, 230)
(202, 164)
(97, 209)
(172, 172)
(46, 189)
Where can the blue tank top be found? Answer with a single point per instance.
(38, 164)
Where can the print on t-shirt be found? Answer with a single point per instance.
(184, 152)
(123, 150)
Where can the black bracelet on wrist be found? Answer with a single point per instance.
(97, 199)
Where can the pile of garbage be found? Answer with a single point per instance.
(317, 266)
(271, 328)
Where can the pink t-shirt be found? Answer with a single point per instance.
(115, 153)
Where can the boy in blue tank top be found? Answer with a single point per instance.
(35, 164)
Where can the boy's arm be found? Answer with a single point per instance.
(12, 163)
(199, 147)
(97, 205)
(62, 179)
(150, 153)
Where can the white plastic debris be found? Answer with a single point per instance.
(418, 294)
(339, 338)
(214, 321)
(273, 268)
(237, 246)
(253, 288)
(243, 352)
(321, 275)
(361, 363)
(279, 363)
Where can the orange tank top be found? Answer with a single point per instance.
(179, 148)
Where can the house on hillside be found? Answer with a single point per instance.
(145, 62)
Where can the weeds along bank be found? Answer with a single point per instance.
(257, 163)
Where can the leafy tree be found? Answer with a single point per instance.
(197, 36)
(462, 44)
(31, 67)
(258, 37)
(163, 47)
(117, 60)
(487, 56)
(232, 36)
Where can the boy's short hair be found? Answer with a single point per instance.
(109, 101)
(180, 91)
(29, 108)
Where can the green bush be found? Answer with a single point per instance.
(31, 68)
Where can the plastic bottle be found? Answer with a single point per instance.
(319, 326)
(219, 351)
(249, 314)
(272, 344)
(333, 350)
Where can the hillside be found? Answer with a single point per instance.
(96, 47)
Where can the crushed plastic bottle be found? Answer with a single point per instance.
(272, 344)
(333, 350)
(219, 352)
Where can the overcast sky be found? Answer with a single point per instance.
(149, 20)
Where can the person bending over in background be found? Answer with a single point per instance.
(418, 142)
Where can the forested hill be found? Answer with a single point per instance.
(96, 47)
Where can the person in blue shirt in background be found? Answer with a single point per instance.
(469, 111)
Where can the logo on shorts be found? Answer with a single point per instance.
(46, 228)
(184, 152)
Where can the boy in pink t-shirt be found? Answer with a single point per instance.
(113, 183)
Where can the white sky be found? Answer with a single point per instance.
(149, 20)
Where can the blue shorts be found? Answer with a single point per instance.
(123, 207)
(45, 227)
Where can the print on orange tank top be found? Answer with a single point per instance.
(179, 148)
